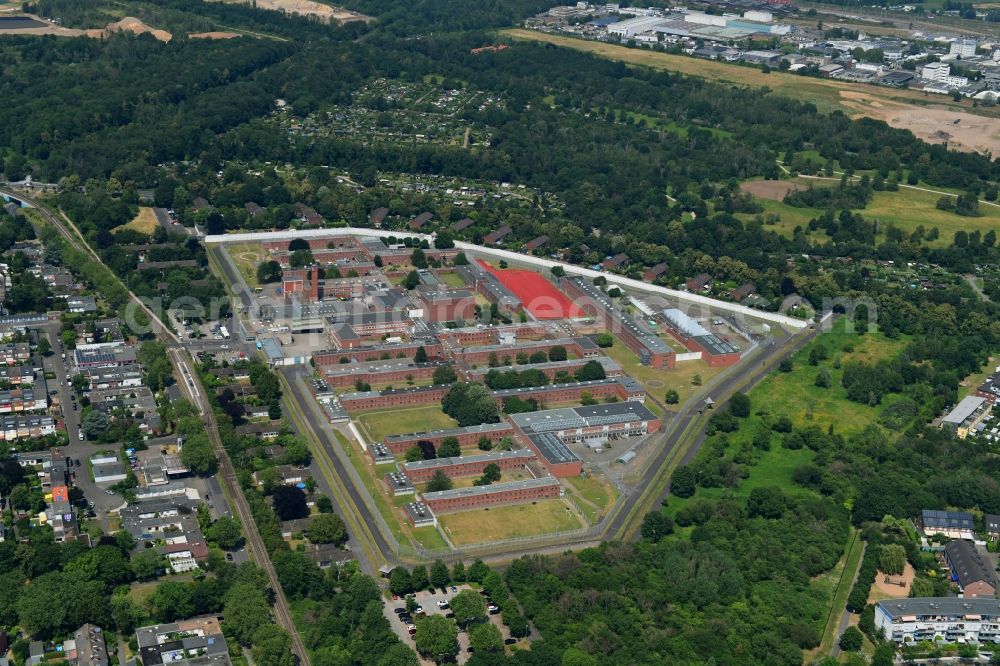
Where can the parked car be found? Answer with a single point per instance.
(442, 604)
(509, 641)
(454, 589)
(399, 610)
(493, 609)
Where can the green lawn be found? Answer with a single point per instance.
(429, 537)
(592, 495)
(837, 583)
(379, 423)
(367, 472)
(795, 395)
(506, 522)
(972, 382)
(452, 279)
(656, 381)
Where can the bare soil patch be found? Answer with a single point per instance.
(214, 35)
(770, 189)
(888, 587)
(325, 13)
(961, 130)
(127, 24)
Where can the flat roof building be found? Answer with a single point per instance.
(954, 524)
(966, 416)
(513, 492)
(945, 619)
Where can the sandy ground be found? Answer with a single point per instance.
(769, 189)
(962, 131)
(883, 590)
(129, 23)
(325, 13)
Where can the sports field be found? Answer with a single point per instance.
(539, 296)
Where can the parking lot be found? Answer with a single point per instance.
(429, 602)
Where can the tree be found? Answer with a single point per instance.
(767, 502)
(439, 574)
(246, 610)
(605, 340)
(147, 564)
(590, 371)
(468, 606)
(439, 482)
(411, 280)
(272, 646)
(324, 504)
(477, 571)
(491, 474)
(400, 582)
(327, 528)
(460, 259)
(449, 448)
(198, 456)
(557, 353)
(656, 525)
(94, 424)
(436, 638)
(301, 259)
(398, 655)
(671, 397)
(683, 483)
(458, 572)
(44, 346)
(418, 259)
(851, 640)
(268, 272)
(290, 503)
(420, 356)
(444, 374)
(484, 443)
(225, 532)
(558, 271)
(419, 577)
(413, 454)
(892, 559)
(485, 637)
(823, 378)
(739, 405)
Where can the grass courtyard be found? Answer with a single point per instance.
(382, 422)
(509, 522)
(247, 256)
(592, 495)
(681, 378)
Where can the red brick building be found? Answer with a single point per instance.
(491, 335)
(395, 371)
(515, 492)
(434, 351)
(408, 397)
(423, 470)
(648, 346)
(447, 304)
(581, 347)
(467, 437)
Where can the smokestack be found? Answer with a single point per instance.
(314, 286)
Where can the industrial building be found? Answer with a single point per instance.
(696, 338)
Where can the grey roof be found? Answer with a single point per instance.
(946, 519)
(684, 323)
(487, 458)
(715, 345)
(963, 410)
(967, 564)
(483, 429)
(941, 606)
(992, 523)
(492, 489)
(640, 331)
(552, 448)
(550, 420)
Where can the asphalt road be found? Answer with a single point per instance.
(317, 430)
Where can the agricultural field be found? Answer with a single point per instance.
(905, 109)
(379, 423)
(509, 522)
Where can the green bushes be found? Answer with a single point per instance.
(858, 598)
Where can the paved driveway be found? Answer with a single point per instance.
(428, 600)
